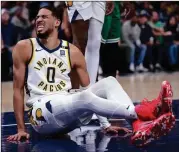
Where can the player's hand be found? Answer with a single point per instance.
(117, 130)
(109, 7)
(168, 33)
(19, 136)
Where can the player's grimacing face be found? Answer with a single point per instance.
(45, 22)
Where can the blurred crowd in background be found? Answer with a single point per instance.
(149, 39)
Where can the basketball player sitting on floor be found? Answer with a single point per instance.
(42, 65)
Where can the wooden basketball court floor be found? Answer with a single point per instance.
(90, 138)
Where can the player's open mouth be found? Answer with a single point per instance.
(40, 27)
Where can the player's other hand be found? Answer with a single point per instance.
(21, 135)
(117, 130)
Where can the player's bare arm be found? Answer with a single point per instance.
(21, 55)
(79, 65)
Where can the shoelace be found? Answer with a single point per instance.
(156, 111)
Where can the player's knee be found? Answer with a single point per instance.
(111, 79)
(132, 112)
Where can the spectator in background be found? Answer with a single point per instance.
(163, 16)
(171, 7)
(9, 31)
(126, 10)
(8, 40)
(147, 6)
(7, 4)
(158, 31)
(21, 16)
(10, 35)
(5, 62)
(172, 34)
(177, 15)
(131, 36)
(146, 36)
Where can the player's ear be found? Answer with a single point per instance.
(57, 23)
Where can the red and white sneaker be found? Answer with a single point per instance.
(165, 96)
(150, 110)
(146, 131)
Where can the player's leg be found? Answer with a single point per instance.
(104, 50)
(106, 98)
(173, 54)
(54, 113)
(102, 99)
(92, 48)
(108, 58)
(58, 112)
(80, 33)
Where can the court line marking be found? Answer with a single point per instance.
(10, 125)
(112, 120)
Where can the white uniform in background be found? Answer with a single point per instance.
(86, 10)
(94, 12)
(53, 108)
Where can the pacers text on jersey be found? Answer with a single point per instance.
(51, 87)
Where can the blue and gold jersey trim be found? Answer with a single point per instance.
(48, 50)
(69, 59)
(33, 52)
(65, 45)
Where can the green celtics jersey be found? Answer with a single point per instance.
(112, 26)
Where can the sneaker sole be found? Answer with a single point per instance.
(161, 127)
(167, 100)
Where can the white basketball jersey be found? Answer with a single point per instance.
(86, 9)
(48, 70)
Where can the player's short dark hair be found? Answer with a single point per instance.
(54, 11)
